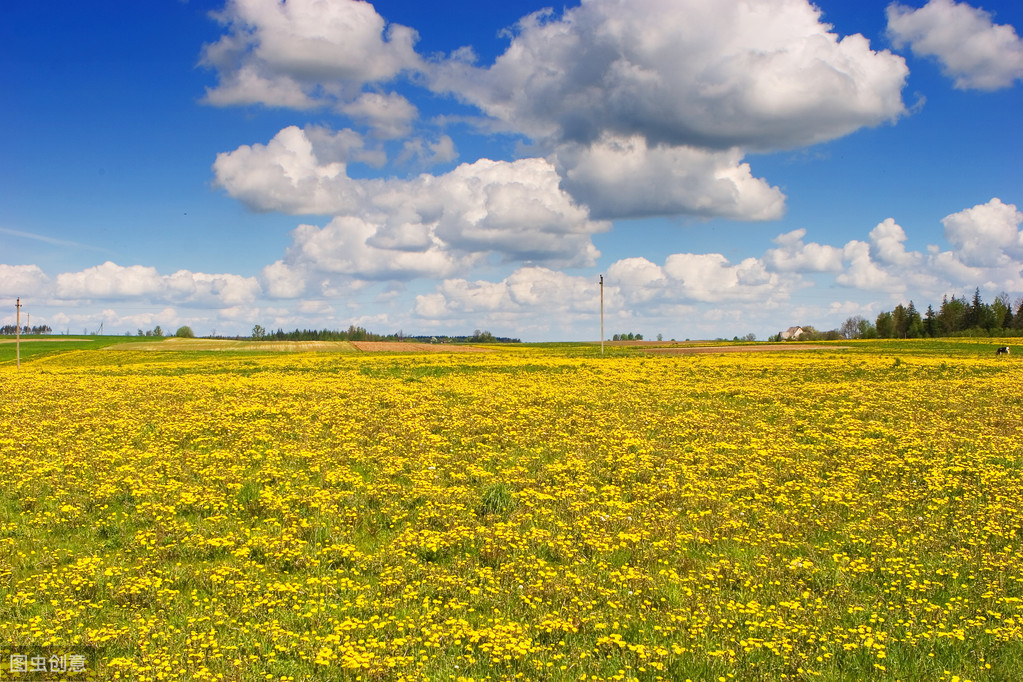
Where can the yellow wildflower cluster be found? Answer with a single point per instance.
(527, 514)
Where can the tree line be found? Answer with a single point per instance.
(36, 329)
(954, 317)
(354, 333)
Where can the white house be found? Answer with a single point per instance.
(791, 334)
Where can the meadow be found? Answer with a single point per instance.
(533, 513)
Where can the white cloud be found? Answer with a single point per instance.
(409, 228)
(389, 115)
(792, 255)
(648, 107)
(887, 245)
(864, 273)
(342, 247)
(525, 295)
(109, 281)
(705, 73)
(22, 280)
(987, 251)
(987, 234)
(289, 175)
(302, 52)
(425, 154)
(626, 177)
(710, 277)
(211, 289)
(973, 50)
(280, 280)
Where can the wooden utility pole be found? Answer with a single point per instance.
(17, 332)
(602, 314)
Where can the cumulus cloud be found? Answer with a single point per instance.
(424, 154)
(628, 178)
(705, 73)
(281, 280)
(526, 293)
(301, 53)
(22, 280)
(648, 107)
(987, 234)
(408, 228)
(887, 245)
(644, 108)
(291, 175)
(110, 281)
(973, 50)
(792, 255)
(986, 250)
(342, 247)
(389, 115)
(211, 289)
(863, 272)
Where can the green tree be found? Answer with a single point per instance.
(184, 332)
(258, 333)
(885, 325)
(914, 323)
(930, 322)
(952, 315)
(867, 330)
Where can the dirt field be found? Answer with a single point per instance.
(402, 347)
(688, 350)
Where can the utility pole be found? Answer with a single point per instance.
(17, 332)
(602, 314)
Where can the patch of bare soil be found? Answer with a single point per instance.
(763, 348)
(402, 347)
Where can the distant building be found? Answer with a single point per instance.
(791, 334)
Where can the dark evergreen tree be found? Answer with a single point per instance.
(930, 322)
(885, 325)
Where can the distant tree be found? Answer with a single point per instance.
(930, 323)
(258, 333)
(850, 329)
(900, 321)
(867, 330)
(158, 331)
(1006, 316)
(884, 325)
(973, 314)
(483, 336)
(660, 337)
(914, 323)
(809, 334)
(952, 315)
(185, 332)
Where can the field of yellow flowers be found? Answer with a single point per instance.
(527, 513)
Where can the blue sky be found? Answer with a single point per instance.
(439, 168)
